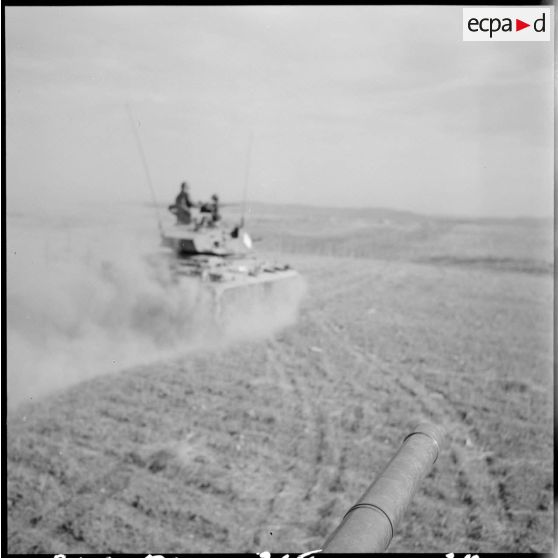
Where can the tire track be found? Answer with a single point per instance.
(468, 465)
(291, 481)
(316, 464)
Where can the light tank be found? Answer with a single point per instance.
(222, 258)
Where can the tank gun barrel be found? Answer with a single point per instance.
(370, 524)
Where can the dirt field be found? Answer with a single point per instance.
(265, 444)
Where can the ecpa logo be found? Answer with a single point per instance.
(506, 24)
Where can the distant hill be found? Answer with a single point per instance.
(257, 207)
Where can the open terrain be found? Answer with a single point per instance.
(264, 442)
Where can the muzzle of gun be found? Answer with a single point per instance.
(370, 524)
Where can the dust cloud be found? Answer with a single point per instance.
(93, 295)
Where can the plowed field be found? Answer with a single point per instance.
(264, 443)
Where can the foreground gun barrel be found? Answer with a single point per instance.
(369, 525)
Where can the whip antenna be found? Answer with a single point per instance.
(145, 167)
(246, 176)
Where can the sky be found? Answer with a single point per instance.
(353, 106)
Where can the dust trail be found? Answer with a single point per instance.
(83, 301)
(260, 311)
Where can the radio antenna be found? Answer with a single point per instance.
(145, 166)
(247, 176)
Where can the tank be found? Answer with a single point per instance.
(222, 258)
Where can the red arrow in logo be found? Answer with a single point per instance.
(519, 25)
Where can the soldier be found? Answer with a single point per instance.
(215, 215)
(182, 205)
(212, 208)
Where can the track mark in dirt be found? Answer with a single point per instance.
(467, 464)
(467, 486)
(277, 491)
(500, 489)
(322, 456)
(294, 416)
(315, 457)
(474, 483)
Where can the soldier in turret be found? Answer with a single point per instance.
(182, 205)
(212, 208)
(215, 215)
